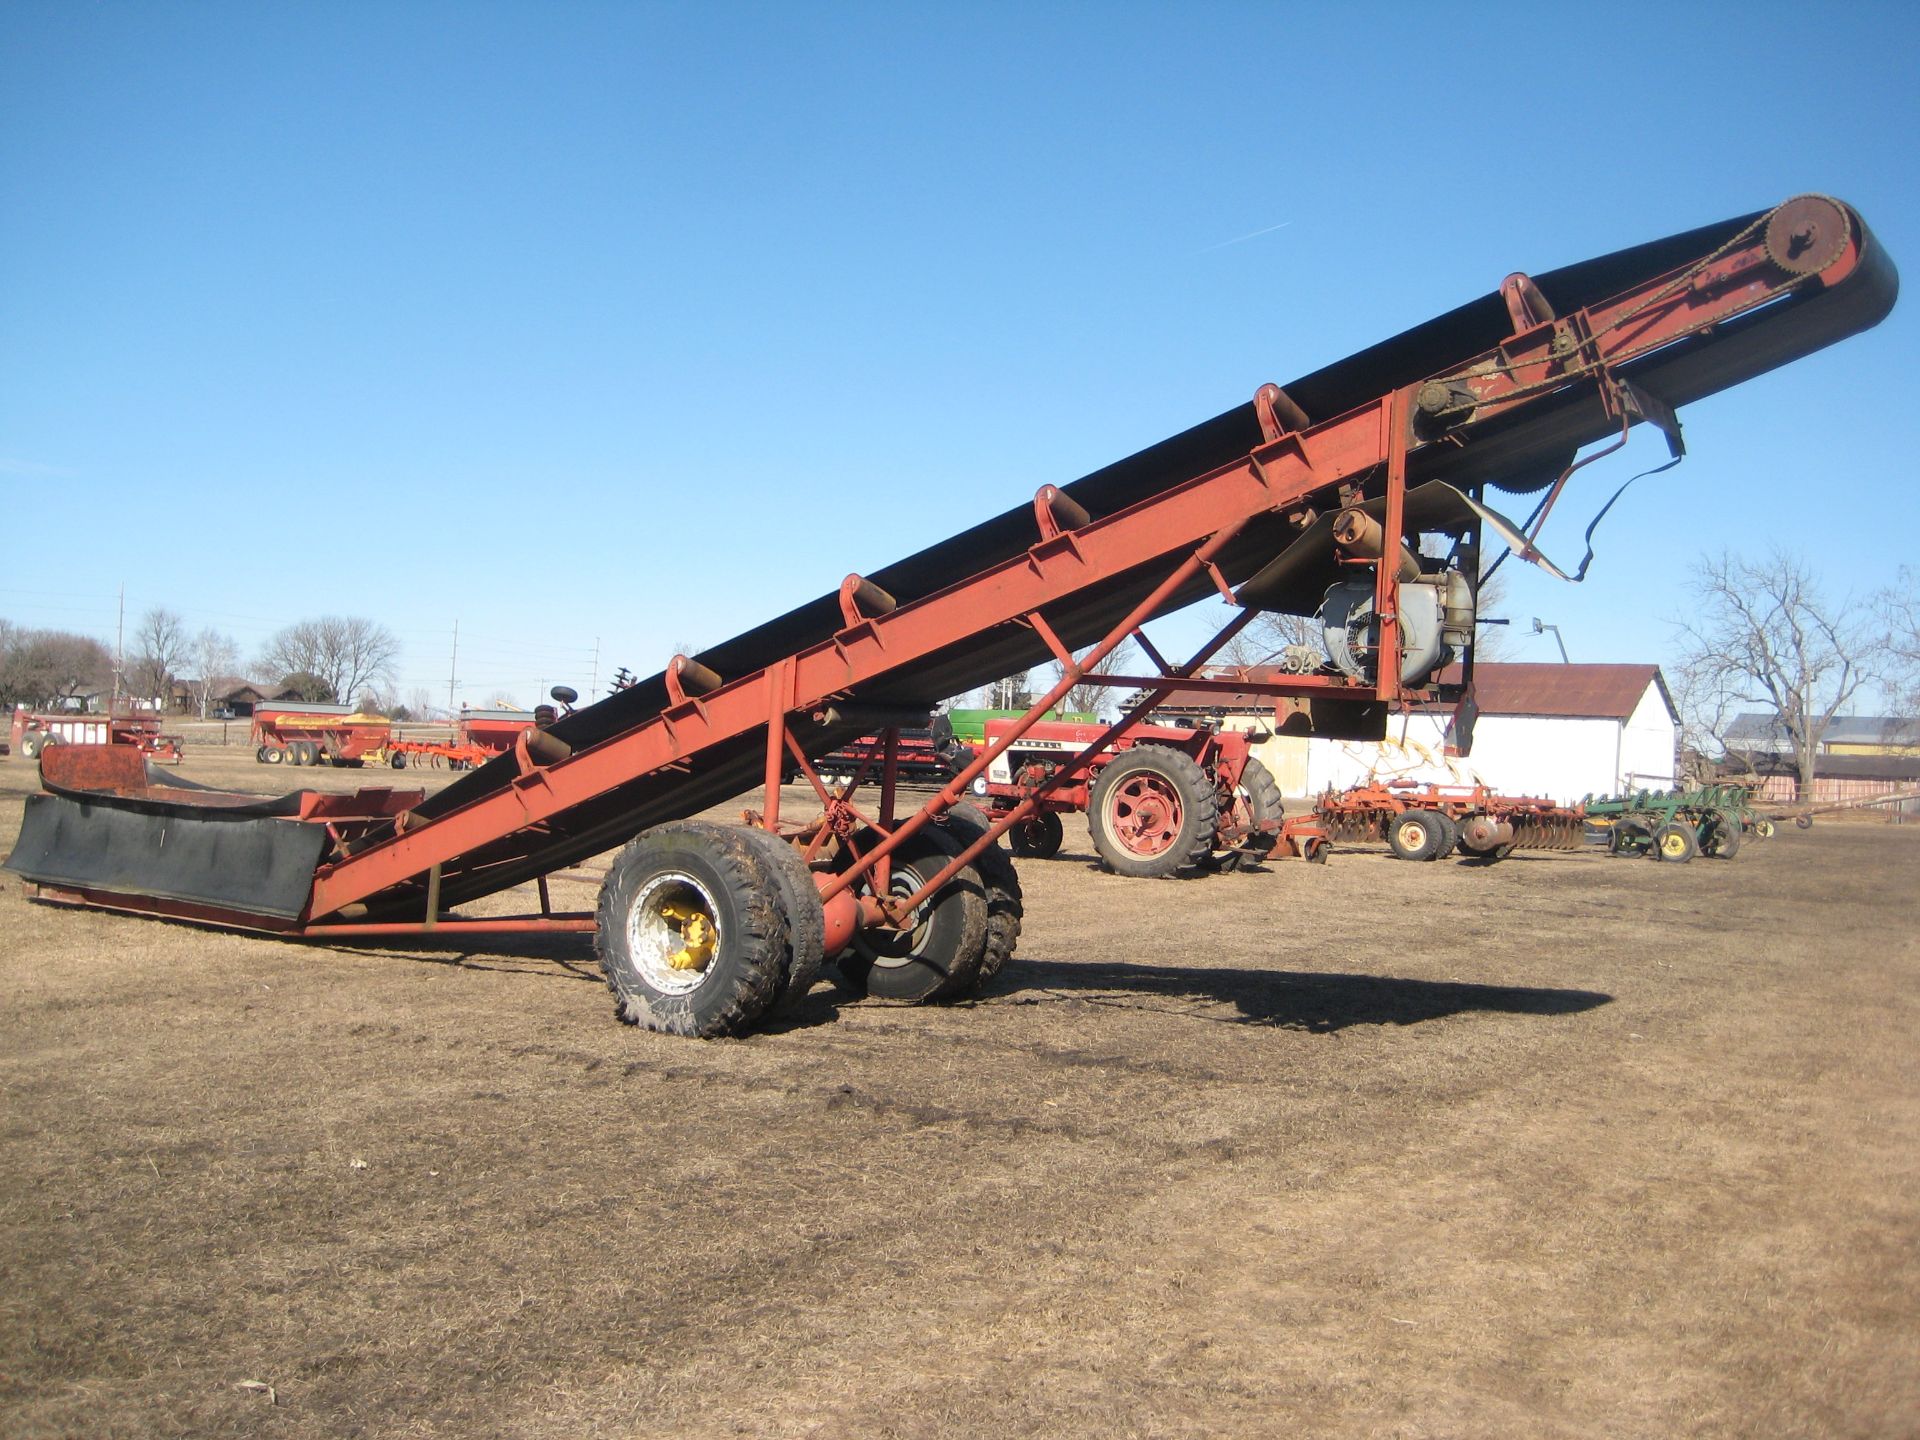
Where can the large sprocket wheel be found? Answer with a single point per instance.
(1153, 812)
(940, 955)
(1722, 837)
(691, 933)
(1005, 906)
(1255, 800)
(1807, 234)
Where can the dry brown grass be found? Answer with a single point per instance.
(1566, 1147)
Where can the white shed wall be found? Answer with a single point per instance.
(1648, 744)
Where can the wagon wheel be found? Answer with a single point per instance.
(1763, 829)
(692, 934)
(1803, 822)
(1153, 812)
(805, 938)
(1038, 836)
(941, 954)
(1005, 908)
(1416, 834)
(1675, 843)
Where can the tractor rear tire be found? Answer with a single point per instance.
(662, 879)
(942, 954)
(1038, 837)
(806, 920)
(1005, 906)
(1153, 812)
(1675, 843)
(1416, 834)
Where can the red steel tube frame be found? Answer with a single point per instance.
(1193, 519)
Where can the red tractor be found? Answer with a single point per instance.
(1163, 801)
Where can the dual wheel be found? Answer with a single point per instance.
(705, 929)
(1421, 834)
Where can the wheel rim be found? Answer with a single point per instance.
(891, 949)
(1673, 846)
(1144, 814)
(1411, 834)
(674, 933)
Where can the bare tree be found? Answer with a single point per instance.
(1897, 608)
(46, 668)
(215, 655)
(163, 647)
(1762, 634)
(349, 653)
(1087, 697)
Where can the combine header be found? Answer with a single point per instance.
(1311, 500)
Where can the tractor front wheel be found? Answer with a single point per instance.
(1037, 837)
(1153, 812)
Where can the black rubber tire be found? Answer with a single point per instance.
(806, 920)
(941, 956)
(1189, 848)
(275, 755)
(1449, 835)
(297, 753)
(1723, 836)
(967, 822)
(1675, 843)
(1416, 834)
(398, 760)
(31, 744)
(744, 977)
(1261, 797)
(261, 755)
(1038, 837)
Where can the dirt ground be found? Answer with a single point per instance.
(1566, 1147)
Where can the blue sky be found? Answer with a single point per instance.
(638, 324)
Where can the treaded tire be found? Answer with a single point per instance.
(1261, 799)
(1449, 837)
(1005, 905)
(1036, 838)
(806, 919)
(261, 755)
(32, 744)
(1723, 836)
(941, 956)
(1130, 813)
(1675, 843)
(275, 755)
(718, 867)
(1416, 834)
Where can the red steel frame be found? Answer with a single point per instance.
(1184, 527)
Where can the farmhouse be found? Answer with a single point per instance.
(1557, 731)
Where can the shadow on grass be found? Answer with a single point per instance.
(1314, 1001)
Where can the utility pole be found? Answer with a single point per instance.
(119, 650)
(453, 669)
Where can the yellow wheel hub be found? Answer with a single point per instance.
(1673, 846)
(697, 935)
